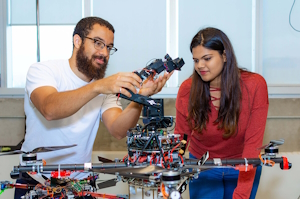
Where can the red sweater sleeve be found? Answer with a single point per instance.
(182, 126)
(254, 134)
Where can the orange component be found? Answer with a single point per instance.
(285, 163)
(142, 159)
(244, 167)
(175, 147)
(125, 157)
(163, 191)
(166, 158)
(97, 195)
(63, 173)
(181, 151)
(161, 162)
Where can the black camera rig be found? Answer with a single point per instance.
(155, 67)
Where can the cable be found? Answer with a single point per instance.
(182, 161)
(265, 161)
(290, 17)
(163, 191)
(173, 126)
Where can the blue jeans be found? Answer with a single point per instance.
(219, 183)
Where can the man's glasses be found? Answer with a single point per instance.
(99, 45)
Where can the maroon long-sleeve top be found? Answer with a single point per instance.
(249, 136)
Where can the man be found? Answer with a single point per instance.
(66, 99)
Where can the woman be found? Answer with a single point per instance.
(223, 110)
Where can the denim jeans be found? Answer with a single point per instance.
(219, 183)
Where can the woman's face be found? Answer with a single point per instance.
(208, 64)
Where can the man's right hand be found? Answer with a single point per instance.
(118, 83)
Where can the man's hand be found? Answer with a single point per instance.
(151, 87)
(118, 83)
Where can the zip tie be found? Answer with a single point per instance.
(246, 164)
(217, 161)
(87, 166)
(59, 171)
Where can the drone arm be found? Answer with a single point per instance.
(264, 161)
(97, 167)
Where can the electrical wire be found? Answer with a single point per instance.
(290, 17)
(266, 161)
(174, 123)
(164, 191)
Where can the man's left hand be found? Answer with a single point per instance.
(151, 87)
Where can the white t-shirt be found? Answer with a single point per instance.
(80, 128)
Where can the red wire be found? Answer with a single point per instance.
(181, 158)
(125, 157)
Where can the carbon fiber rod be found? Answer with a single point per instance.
(254, 161)
(73, 167)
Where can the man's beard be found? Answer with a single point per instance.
(86, 66)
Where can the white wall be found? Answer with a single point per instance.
(280, 43)
(6, 165)
(232, 17)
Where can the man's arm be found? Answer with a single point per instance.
(55, 105)
(118, 122)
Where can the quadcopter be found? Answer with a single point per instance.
(168, 173)
(155, 160)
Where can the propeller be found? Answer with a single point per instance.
(272, 143)
(144, 169)
(104, 160)
(205, 167)
(38, 150)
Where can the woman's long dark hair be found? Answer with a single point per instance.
(199, 107)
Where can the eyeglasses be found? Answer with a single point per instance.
(99, 45)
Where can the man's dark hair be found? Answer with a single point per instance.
(85, 25)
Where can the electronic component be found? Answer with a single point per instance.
(155, 67)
